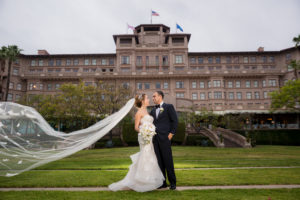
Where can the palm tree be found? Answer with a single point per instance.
(296, 40)
(12, 53)
(295, 64)
(3, 57)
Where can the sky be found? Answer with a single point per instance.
(87, 26)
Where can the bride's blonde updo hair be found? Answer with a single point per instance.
(139, 100)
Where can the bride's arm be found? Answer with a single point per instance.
(137, 121)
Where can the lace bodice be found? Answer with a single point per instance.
(147, 119)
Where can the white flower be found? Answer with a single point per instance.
(147, 131)
(161, 110)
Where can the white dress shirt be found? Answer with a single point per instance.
(158, 109)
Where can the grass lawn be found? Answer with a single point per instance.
(238, 194)
(185, 157)
(84, 168)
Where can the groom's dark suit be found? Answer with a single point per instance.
(165, 123)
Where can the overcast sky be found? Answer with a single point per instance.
(87, 26)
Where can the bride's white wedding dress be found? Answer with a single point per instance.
(144, 173)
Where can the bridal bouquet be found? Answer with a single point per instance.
(147, 131)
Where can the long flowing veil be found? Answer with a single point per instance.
(28, 141)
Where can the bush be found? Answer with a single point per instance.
(102, 143)
(180, 133)
(273, 137)
(130, 136)
(198, 140)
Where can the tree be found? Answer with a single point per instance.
(287, 97)
(296, 40)
(3, 57)
(12, 53)
(296, 66)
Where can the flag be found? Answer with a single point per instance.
(130, 27)
(154, 13)
(179, 27)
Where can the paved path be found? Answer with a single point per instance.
(180, 188)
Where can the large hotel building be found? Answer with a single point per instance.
(153, 59)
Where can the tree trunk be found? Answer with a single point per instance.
(8, 80)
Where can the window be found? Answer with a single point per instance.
(179, 84)
(94, 61)
(230, 85)
(19, 86)
(246, 59)
(288, 57)
(41, 62)
(57, 85)
(256, 95)
(18, 97)
(125, 60)
(51, 62)
(248, 84)
(111, 61)
(179, 95)
(157, 85)
(255, 84)
(76, 62)
(68, 62)
(238, 84)
(124, 69)
(235, 59)
(252, 59)
(193, 60)
(200, 60)
(178, 59)
(264, 83)
(139, 60)
(165, 60)
(217, 95)
(249, 95)
(209, 95)
(125, 85)
(139, 86)
(86, 70)
(49, 86)
(230, 95)
(11, 85)
(228, 59)
(208, 84)
(201, 84)
(41, 86)
(75, 70)
(217, 83)
(218, 60)
(33, 63)
(239, 95)
(9, 97)
(166, 85)
(30, 86)
(57, 70)
(265, 94)
(272, 82)
(202, 95)
(271, 59)
(156, 60)
(264, 59)
(194, 84)
(58, 62)
(194, 96)
(103, 62)
(86, 61)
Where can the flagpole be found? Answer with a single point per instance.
(176, 27)
(151, 16)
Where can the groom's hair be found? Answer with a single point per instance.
(160, 93)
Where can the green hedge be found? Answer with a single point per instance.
(130, 135)
(198, 140)
(273, 137)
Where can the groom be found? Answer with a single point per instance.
(165, 120)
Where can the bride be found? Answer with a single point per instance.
(144, 173)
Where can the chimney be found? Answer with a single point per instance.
(260, 49)
(43, 52)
